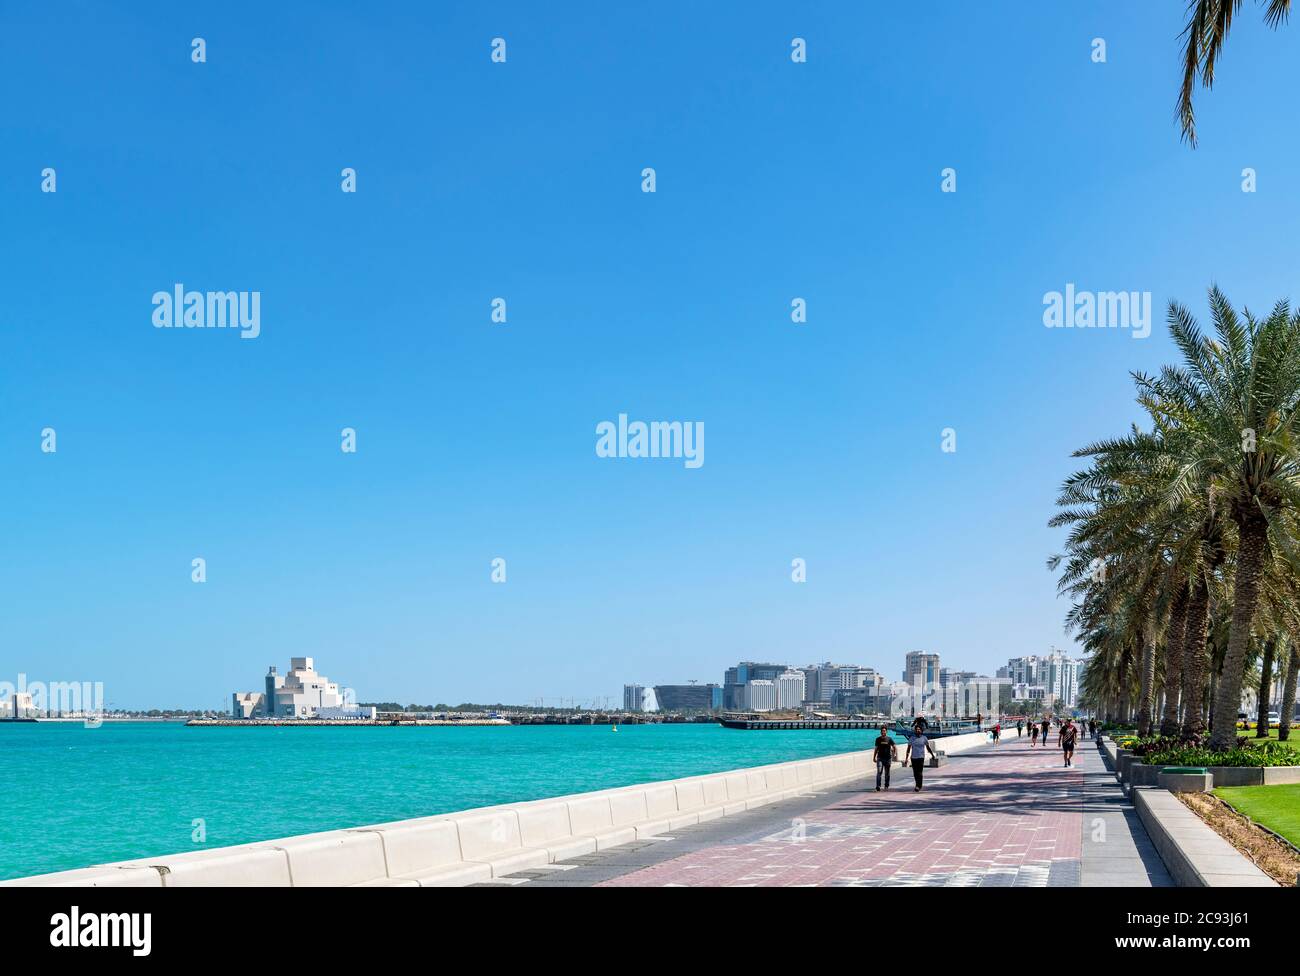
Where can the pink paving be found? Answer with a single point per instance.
(1009, 815)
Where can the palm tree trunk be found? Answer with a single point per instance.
(1252, 532)
(1194, 664)
(1174, 640)
(1291, 654)
(1265, 688)
(1147, 683)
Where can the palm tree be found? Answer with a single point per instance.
(1289, 671)
(1121, 558)
(1235, 407)
(1211, 554)
(1208, 22)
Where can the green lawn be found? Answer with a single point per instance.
(1294, 739)
(1276, 807)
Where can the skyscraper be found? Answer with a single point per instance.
(633, 698)
(921, 669)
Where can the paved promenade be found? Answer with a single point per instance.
(1002, 816)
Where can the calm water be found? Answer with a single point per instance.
(75, 796)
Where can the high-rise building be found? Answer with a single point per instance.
(1057, 674)
(759, 695)
(790, 689)
(921, 669)
(633, 698)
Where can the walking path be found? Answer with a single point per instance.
(999, 816)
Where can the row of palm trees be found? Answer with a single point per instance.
(1183, 555)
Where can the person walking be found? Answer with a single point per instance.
(997, 734)
(1069, 736)
(1020, 727)
(918, 745)
(886, 756)
(1033, 733)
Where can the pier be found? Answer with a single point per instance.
(790, 724)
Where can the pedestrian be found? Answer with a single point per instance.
(1069, 734)
(886, 756)
(997, 734)
(1033, 733)
(918, 745)
(1020, 727)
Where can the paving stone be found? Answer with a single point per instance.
(1013, 816)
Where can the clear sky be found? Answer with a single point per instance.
(475, 440)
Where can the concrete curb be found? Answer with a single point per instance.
(1195, 856)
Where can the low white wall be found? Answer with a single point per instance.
(476, 845)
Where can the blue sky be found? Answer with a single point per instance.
(522, 180)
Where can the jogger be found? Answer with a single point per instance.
(1069, 735)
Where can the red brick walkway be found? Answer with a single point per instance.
(1005, 816)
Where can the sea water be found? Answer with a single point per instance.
(75, 796)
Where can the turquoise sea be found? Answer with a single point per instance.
(75, 796)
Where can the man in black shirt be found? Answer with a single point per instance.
(886, 754)
(1069, 735)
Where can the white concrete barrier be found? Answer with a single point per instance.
(1196, 856)
(476, 845)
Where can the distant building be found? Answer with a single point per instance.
(301, 693)
(790, 689)
(1057, 674)
(759, 696)
(921, 669)
(18, 705)
(633, 698)
(736, 678)
(688, 698)
(248, 704)
(947, 676)
(1029, 693)
(821, 681)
